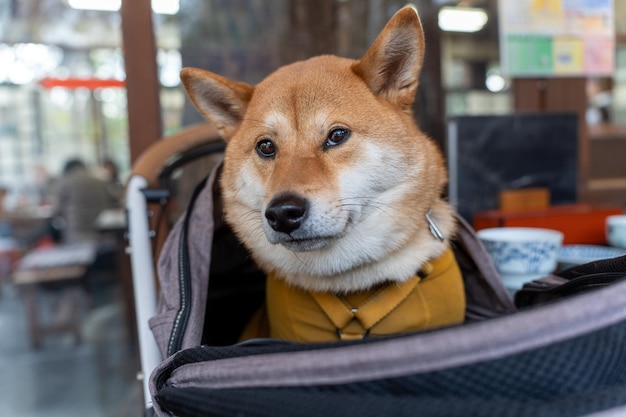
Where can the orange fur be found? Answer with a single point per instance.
(365, 199)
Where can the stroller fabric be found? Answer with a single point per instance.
(563, 358)
(553, 360)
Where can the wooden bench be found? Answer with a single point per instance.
(64, 265)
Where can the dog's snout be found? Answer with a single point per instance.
(286, 212)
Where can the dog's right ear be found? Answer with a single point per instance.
(392, 65)
(221, 101)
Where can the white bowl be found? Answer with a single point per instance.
(572, 255)
(616, 230)
(522, 250)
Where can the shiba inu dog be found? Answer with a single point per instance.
(336, 192)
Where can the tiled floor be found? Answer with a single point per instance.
(95, 378)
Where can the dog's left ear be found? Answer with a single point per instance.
(220, 100)
(392, 65)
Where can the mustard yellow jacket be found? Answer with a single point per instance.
(434, 297)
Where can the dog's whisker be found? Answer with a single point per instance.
(250, 216)
(377, 206)
(369, 201)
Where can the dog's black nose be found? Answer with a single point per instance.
(286, 212)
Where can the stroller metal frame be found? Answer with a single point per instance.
(159, 158)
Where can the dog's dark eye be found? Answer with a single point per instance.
(266, 148)
(337, 137)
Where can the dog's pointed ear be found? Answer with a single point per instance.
(221, 101)
(392, 65)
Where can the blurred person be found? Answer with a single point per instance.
(111, 174)
(45, 185)
(9, 247)
(5, 226)
(80, 199)
(3, 194)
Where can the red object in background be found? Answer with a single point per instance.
(45, 242)
(580, 223)
(89, 83)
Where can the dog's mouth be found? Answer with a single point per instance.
(306, 245)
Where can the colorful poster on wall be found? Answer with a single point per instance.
(555, 38)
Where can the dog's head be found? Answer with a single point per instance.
(325, 171)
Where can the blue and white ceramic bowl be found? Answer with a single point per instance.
(616, 230)
(524, 251)
(572, 255)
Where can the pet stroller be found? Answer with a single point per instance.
(559, 350)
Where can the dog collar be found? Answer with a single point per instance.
(432, 225)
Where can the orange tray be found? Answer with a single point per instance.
(580, 223)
